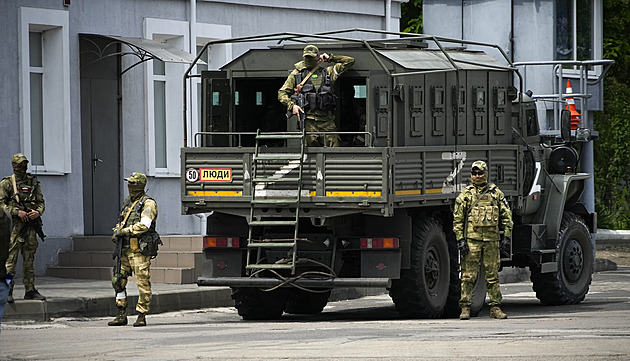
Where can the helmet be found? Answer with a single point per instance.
(18, 158)
(311, 50)
(137, 177)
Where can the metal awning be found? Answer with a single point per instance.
(144, 50)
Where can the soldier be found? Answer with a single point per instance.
(5, 240)
(311, 85)
(136, 231)
(21, 196)
(480, 211)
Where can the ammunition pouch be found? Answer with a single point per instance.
(148, 244)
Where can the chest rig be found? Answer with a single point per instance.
(314, 97)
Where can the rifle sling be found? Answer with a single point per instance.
(471, 207)
(307, 77)
(129, 211)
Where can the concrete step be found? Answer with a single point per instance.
(158, 274)
(173, 259)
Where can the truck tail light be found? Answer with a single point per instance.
(379, 243)
(220, 242)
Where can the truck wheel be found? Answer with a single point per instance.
(455, 285)
(422, 290)
(254, 304)
(306, 303)
(574, 253)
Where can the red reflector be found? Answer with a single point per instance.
(220, 242)
(379, 243)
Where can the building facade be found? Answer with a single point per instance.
(89, 101)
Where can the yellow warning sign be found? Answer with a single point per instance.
(216, 174)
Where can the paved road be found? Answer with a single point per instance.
(366, 328)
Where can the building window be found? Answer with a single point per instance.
(45, 85)
(574, 30)
(159, 112)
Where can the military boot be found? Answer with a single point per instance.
(34, 295)
(465, 315)
(141, 321)
(495, 312)
(121, 318)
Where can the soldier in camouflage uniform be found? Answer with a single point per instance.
(136, 226)
(317, 90)
(21, 196)
(5, 241)
(480, 212)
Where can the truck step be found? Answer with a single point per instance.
(271, 179)
(279, 136)
(274, 200)
(272, 223)
(277, 156)
(271, 244)
(270, 266)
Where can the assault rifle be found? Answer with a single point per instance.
(36, 223)
(299, 100)
(117, 255)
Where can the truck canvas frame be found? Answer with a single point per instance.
(290, 222)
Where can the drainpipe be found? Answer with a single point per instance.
(203, 222)
(192, 38)
(388, 17)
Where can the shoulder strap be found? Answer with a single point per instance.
(307, 77)
(129, 211)
(15, 191)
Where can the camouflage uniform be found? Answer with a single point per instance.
(139, 224)
(481, 209)
(23, 237)
(5, 240)
(317, 120)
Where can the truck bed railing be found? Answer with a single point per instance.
(369, 138)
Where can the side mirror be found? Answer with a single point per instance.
(565, 125)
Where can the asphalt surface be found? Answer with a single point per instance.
(95, 298)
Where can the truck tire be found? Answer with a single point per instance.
(306, 303)
(452, 309)
(255, 304)
(574, 253)
(422, 290)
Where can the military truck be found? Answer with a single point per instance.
(290, 222)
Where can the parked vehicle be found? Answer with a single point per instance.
(290, 222)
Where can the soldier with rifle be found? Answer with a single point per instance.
(21, 196)
(136, 244)
(308, 93)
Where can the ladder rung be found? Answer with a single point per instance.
(272, 223)
(279, 136)
(270, 266)
(271, 180)
(277, 156)
(271, 244)
(274, 201)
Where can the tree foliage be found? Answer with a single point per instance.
(411, 17)
(612, 154)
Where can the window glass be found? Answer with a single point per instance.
(158, 67)
(159, 114)
(574, 34)
(359, 91)
(37, 120)
(35, 49)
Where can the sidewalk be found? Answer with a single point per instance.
(95, 298)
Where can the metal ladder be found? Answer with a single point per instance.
(259, 200)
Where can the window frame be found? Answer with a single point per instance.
(55, 70)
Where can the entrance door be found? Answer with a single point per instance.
(100, 139)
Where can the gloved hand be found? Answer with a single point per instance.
(504, 246)
(462, 245)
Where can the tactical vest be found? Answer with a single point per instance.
(150, 237)
(322, 98)
(484, 211)
(27, 190)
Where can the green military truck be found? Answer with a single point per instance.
(290, 223)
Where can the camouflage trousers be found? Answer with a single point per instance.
(140, 266)
(315, 140)
(27, 246)
(488, 253)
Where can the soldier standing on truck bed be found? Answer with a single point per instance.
(480, 211)
(308, 91)
(21, 196)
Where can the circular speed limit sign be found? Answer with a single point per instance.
(192, 174)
